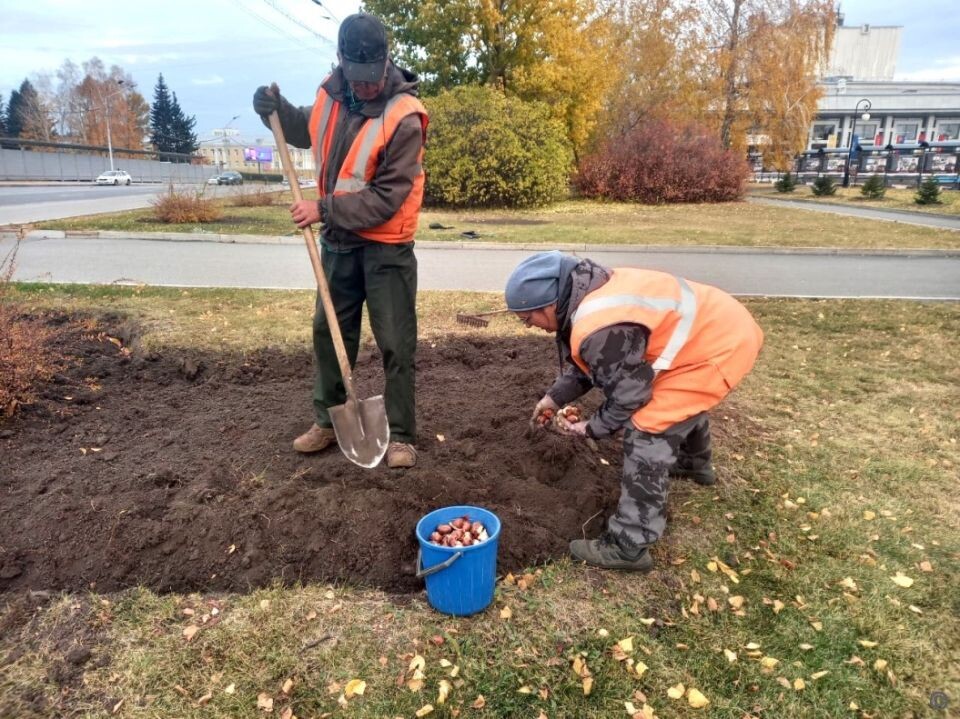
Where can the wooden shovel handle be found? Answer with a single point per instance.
(322, 285)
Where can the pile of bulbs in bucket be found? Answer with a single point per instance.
(571, 413)
(461, 532)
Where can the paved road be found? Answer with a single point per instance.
(21, 204)
(944, 222)
(210, 264)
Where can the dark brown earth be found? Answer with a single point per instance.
(175, 471)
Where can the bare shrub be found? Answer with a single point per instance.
(185, 206)
(255, 198)
(660, 162)
(27, 357)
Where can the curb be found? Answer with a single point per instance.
(34, 235)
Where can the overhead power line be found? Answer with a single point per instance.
(299, 23)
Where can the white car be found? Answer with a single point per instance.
(114, 177)
(215, 180)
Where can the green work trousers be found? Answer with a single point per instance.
(385, 276)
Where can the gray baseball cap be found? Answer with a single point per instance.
(362, 44)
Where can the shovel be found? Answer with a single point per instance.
(360, 424)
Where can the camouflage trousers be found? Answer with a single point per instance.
(641, 514)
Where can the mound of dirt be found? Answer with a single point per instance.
(176, 471)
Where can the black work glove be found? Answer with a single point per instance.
(266, 100)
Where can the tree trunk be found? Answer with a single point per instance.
(731, 89)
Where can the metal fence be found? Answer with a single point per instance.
(31, 160)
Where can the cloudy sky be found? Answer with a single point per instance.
(214, 53)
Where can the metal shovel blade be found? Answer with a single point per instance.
(362, 430)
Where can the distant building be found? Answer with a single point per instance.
(227, 150)
(861, 67)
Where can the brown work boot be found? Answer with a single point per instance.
(400, 455)
(315, 439)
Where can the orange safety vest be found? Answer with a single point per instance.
(702, 341)
(360, 164)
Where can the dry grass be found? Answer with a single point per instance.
(26, 359)
(259, 197)
(185, 207)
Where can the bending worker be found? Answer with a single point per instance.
(664, 351)
(367, 130)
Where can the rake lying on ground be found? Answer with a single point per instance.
(478, 320)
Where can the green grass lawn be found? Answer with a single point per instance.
(781, 594)
(735, 224)
(894, 199)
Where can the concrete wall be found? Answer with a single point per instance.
(33, 165)
(864, 53)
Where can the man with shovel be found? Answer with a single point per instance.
(664, 351)
(367, 130)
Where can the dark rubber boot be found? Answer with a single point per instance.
(606, 553)
(704, 477)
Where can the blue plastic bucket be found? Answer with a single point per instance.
(460, 580)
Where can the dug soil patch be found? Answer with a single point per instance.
(174, 471)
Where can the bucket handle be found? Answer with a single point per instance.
(421, 572)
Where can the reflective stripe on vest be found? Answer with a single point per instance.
(686, 308)
(357, 181)
(325, 113)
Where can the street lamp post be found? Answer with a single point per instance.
(853, 133)
(107, 110)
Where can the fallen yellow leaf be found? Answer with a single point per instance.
(867, 643)
(647, 621)
(736, 601)
(190, 632)
(768, 663)
(799, 685)
(444, 691)
(287, 686)
(640, 669)
(731, 656)
(525, 689)
(230, 689)
(868, 515)
(880, 665)
(902, 580)
(424, 710)
(418, 662)
(202, 701)
(626, 644)
(676, 692)
(265, 702)
(777, 606)
(479, 702)
(587, 686)
(354, 687)
(696, 699)
(926, 566)
(506, 613)
(415, 683)
(818, 675)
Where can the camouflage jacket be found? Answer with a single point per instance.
(615, 356)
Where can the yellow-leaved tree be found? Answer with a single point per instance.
(556, 51)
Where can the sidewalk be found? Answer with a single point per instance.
(218, 238)
(923, 219)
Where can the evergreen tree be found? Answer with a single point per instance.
(182, 128)
(3, 119)
(14, 117)
(928, 193)
(874, 188)
(161, 118)
(787, 183)
(824, 185)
